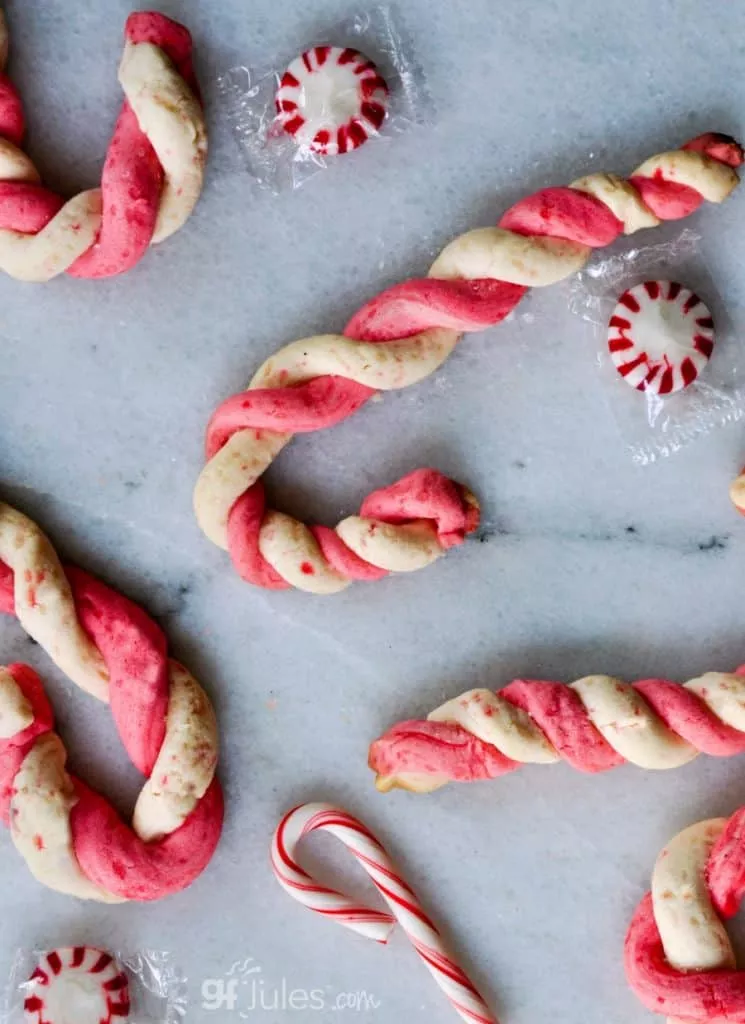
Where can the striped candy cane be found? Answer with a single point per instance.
(373, 924)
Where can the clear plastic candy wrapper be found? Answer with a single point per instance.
(295, 115)
(699, 393)
(88, 984)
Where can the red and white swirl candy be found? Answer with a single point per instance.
(367, 921)
(152, 176)
(71, 838)
(678, 957)
(400, 337)
(331, 99)
(594, 724)
(77, 985)
(660, 337)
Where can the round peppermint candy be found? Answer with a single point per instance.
(77, 985)
(331, 99)
(660, 337)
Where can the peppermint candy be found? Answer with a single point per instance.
(331, 100)
(660, 337)
(77, 985)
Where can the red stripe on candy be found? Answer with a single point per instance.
(626, 368)
(116, 984)
(704, 345)
(666, 381)
(104, 960)
(688, 372)
(374, 113)
(630, 302)
(294, 125)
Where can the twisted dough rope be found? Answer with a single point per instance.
(71, 838)
(594, 724)
(678, 956)
(392, 886)
(473, 284)
(151, 179)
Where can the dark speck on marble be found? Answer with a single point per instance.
(714, 543)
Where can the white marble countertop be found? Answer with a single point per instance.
(584, 564)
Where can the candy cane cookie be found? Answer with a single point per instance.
(152, 176)
(71, 838)
(678, 957)
(399, 338)
(594, 724)
(366, 921)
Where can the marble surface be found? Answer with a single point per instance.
(584, 563)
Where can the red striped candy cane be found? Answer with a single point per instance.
(373, 924)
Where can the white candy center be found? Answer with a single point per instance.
(75, 998)
(661, 326)
(328, 99)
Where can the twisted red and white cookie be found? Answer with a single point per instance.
(152, 176)
(594, 724)
(71, 838)
(400, 337)
(678, 957)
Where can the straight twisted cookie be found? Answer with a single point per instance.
(151, 179)
(398, 339)
(594, 724)
(71, 838)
